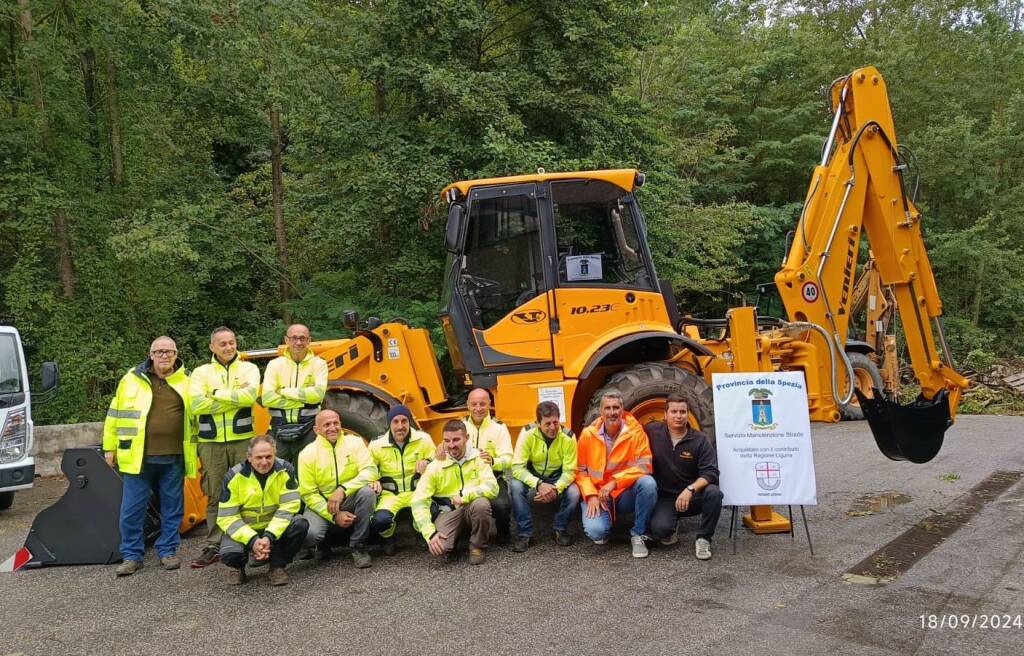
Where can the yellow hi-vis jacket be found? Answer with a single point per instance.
(124, 430)
(222, 398)
(493, 437)
(397, 467)
(535, 458)
(293, 391)
(246, 507)
(471, 479)
(324, 467)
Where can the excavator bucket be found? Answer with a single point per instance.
(911, 432)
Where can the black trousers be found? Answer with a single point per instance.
(707, 503)
(282, 551)
(501, 509)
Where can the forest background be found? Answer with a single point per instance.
(172, 165)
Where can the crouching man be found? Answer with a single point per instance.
(257, 512)
(453, 497)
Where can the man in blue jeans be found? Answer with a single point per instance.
(543, 469)
(148, 437)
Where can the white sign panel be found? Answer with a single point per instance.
(763, 435)
(554, 394)
(583, 267)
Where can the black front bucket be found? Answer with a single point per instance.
(907, 432)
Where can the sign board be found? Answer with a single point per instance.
(583, 267)
(763, 435)
(556, 395)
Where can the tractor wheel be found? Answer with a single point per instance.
(644, 388)
(361, 414)
(6, 499)
(865, 377)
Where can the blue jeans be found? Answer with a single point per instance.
(166, 474)
(638, 499)
(523, 495)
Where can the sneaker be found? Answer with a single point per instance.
(670, 540)
(170, 562)
(639, 548)
(361, 558)
(702, 549)
(128, 567)
(388, 547)
(601, 541)
(521, 544)
(209, 556)
(278, 576)
(477, 556)
(563, 538)
(234, 576)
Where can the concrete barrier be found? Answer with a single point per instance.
(50, 442)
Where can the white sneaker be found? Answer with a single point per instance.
(703, 549)
(670, 540)
(601, 541)
(639, 548)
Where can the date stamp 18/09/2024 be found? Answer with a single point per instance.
(1002, 621)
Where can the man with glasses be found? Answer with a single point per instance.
(148, 437)
(294, 386)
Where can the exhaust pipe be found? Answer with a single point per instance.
(911, 432)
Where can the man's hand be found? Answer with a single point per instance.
(436, 543)
(594, 507)
(421, 466)
(457, 500)
(486, 457)
(605, 493)
(546, 493)
(261, 548)
(683, 501)
(375, 486)
(111, 458)
(440, 453)
(335, 500)
(344, 519)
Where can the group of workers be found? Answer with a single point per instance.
(308, 485)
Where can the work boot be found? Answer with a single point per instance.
(322, 552)
(234, 576)
(388, 547)
(361, 558)
(564, 538)
(477, 556)
(170, 562)
(503, 534)
(670, 540)
(639, 548)
(278, 576)
(209, 556)
(521, 544)
(702, 549)
(128, 567)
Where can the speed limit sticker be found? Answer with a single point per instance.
(809, 291)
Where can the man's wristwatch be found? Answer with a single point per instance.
(691, 488)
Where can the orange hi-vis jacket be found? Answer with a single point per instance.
(630, 457)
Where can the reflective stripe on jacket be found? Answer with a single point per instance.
(630, 457)
(324, 467)
(397, 466)
(493, 437)
(534, 457)
(247, 507)
(293, 391)
(443, 479)
(222, 398)
(124, 430)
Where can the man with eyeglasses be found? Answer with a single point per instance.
(294, 386)
(148, 437)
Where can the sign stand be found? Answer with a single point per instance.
(734, 532)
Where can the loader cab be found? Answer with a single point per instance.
(512, 243)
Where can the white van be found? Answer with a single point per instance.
(17, 466)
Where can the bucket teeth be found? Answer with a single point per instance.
(911, 432)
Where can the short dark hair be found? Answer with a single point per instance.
(453, 425)
(221, 329)
(676, 397)
(547, 409)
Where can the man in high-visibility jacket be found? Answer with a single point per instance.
(334, 473)
(222, 394)
(614, 475)
(294, 386)
(543, 469)
(148, 436)
(258, 513)
(401, 455)
(453, 496)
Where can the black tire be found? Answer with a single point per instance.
(360, 413)
(6, 499)
(652, 380)
(863, 367)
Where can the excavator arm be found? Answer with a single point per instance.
(858, 188)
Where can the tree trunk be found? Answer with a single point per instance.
(379, 104)
(65, 265)
(277, 194)
(88, 60)
(979, 291)
(114, 111)
(12, 63)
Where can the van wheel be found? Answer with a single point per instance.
(361, 414)
(865, 376)
(644, 388)
(6, 499)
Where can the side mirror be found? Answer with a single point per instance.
(51, 376)
(453, 230)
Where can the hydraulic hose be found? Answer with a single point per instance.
(833, 347)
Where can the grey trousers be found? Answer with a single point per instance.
(360, 504)
(217, 459)
(474, 517)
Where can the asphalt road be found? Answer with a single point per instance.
(771, 597)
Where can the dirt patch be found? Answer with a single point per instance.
(877, 502)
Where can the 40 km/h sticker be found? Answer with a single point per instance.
(809, 291)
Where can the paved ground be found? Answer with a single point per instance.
(772, 597)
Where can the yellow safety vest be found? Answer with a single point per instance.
(247, 507)
(493, 437)
(293, 391)
(222, 406)
(535, 458)
(443, 479)
(324, 467)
